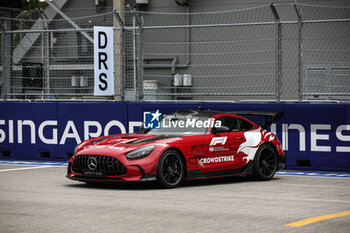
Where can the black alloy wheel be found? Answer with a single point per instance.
(265, 163)
(170, 169)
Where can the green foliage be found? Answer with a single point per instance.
(29, 5)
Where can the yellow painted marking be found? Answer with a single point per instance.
(316, 219)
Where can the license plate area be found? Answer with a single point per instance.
(90, 173)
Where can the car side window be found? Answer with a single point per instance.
(244, 125)
(230, 122)
(235, 124)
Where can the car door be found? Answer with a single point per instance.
(223, 146)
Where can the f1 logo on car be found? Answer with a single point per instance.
(151, 120)
(217, 140)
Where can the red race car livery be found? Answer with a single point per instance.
(191, 144)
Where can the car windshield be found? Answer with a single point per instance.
(188, 125)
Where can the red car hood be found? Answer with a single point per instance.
(120, 141)
(128, 139)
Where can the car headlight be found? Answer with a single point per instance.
(140, 153)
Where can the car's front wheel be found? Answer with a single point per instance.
(170, 169)
(265, 163)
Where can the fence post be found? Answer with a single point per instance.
(4, 58)
(45, 54)
(278, 52)
(140, 64)
(122, 54)
(139, 53)
(300, 44)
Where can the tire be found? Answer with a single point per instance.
(170, 171)
(265, 163)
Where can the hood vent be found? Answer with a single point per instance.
(148, 139)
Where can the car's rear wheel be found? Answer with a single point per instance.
(170, 169)
(265, 163)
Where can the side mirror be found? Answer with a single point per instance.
(221, 129)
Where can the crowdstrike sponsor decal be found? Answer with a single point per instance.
(219, 159)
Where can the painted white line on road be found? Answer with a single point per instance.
(22, 168)
(323, 177)
(33, 163)
(314, 174)
(315, 185)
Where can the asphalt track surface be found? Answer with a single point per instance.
(40, 199)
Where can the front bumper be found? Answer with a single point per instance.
(141, 170)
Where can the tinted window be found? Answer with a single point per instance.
(235, 124)
(230, 122)
(244, 125)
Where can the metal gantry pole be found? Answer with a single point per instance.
(278, 52)
(139, 57)
(300, 46)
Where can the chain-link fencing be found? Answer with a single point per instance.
(324, 54)
(247, 54)
(51, 57)
(200, 55)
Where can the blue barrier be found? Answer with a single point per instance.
(314, 136)
(80, 121)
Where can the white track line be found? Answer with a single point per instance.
(323, 177)
(22, 168)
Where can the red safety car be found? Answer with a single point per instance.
(189, 144)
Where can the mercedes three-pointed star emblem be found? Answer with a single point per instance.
(92, 163)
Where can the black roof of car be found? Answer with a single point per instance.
(268, 116)
(200, 112)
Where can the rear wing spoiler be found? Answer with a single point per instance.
(269, 117)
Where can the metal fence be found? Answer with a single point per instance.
(231, 53)
(324, 52)
(49, 58)
(246, 54)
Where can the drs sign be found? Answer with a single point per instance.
(103, 61)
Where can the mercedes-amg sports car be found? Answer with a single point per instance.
(188, 144)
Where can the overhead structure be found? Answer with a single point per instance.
(30, 38)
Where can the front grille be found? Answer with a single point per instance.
(108, 165)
